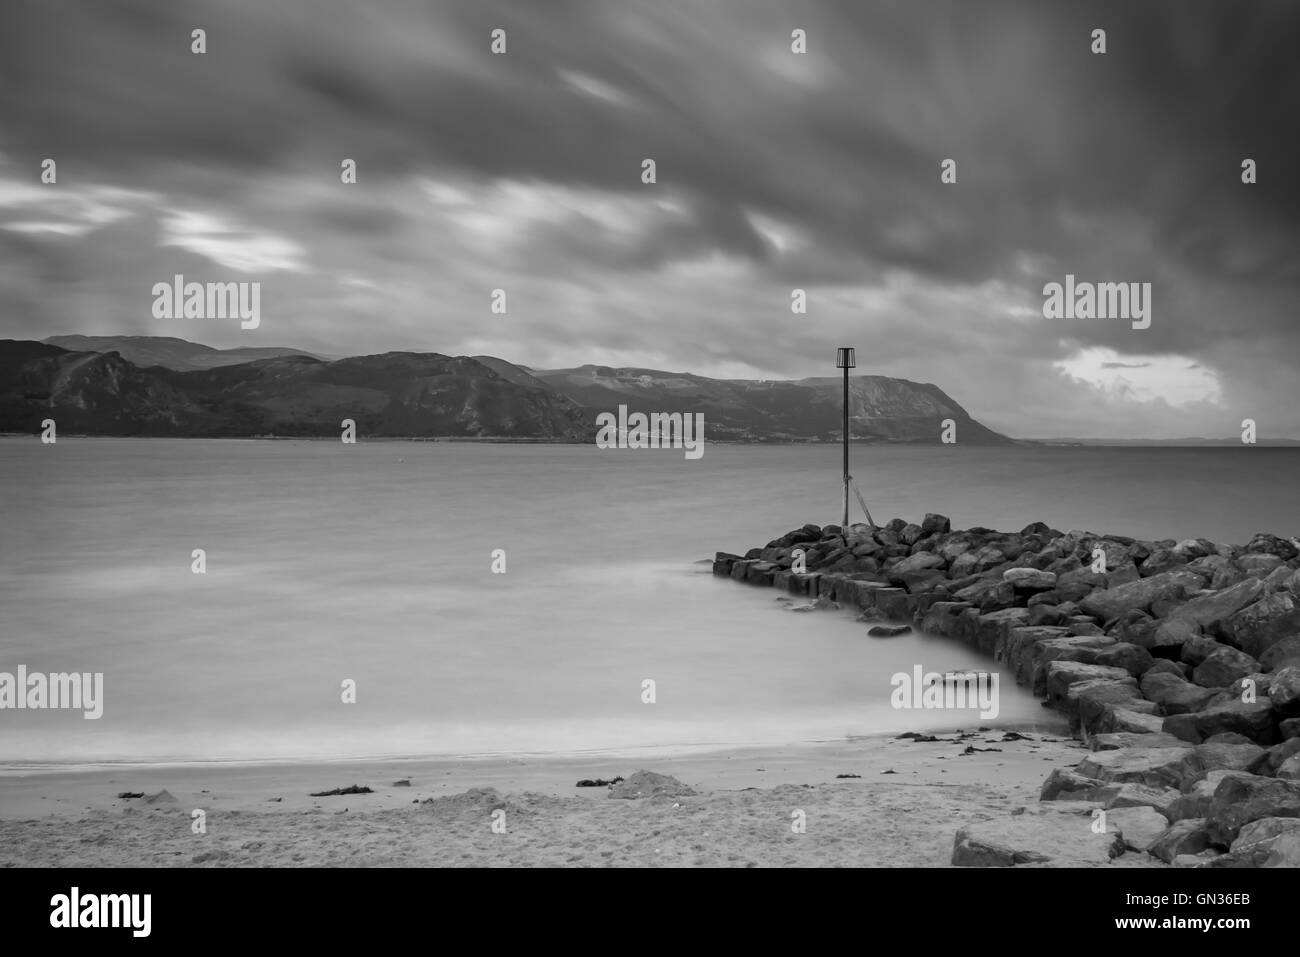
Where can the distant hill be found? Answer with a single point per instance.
(178, 354)
(880, 407)
(139, 385)
(395, 394)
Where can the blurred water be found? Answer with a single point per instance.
(372, 562)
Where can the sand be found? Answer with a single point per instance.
(740, 816)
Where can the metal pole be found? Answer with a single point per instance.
(846, 446)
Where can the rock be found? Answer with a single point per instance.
(652, 785)
(1080, 648)
(1202, 859)
(1240, 799)
(1289, 770)
(1183, 727)
(1118, 718)
(1046, 833)
(1029, 579)
(1288, 729)
(1154, 767)
(1254, 720)
(1210, 609)
(1228, 737)
(921, 561)
(1087, 702)
(941, 617)
(1278, 753)
(1134, 659)
(1173, 694)
(1190, 548)
(1114, 740)
(1138, 826)
(337, 792)
(888, 631)
(1196, 649)
(1284, 691)
(892, 603)
(935, 524)
(910, 534)
(1280, 655)
(1272, 545)
(1257, 627)
(1062, 674)
(1247, 757)
(1163, 666)
(1066, 784)
(1139, 795)
(1181, 838)
(1167, 638)
(1111, 602)
(1224, 666)
(1196, 800)
(993, 629)
(1268, 842)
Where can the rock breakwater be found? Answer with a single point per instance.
(1176, 662)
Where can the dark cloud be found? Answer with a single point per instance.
(819, 171)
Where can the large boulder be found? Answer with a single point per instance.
(1188, 836)
(1223, 666)
(1154, 767)
(1166, 639)
(1088, 702)
(1247, 757)
(1195, 801)
(1174, 694)
(1139, 826)
(1132, 658)
(1029, 579)
(1263, 543)
(1284, 692)
(1045, 833)
(1061, 674)
(1139, 795)
(1209, 609)
(1268, 842)
(1112, 602)
(1081, 648)
(1239, 799)
(1119, 717)
(1253, 719)
(1259, 626)
(1280, 655)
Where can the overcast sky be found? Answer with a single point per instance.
(775, 170)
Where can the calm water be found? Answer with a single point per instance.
(372, 562)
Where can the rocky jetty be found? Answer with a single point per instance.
(1177, 663)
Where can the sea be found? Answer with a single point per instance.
(404, 599)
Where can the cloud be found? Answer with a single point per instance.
(776, 170)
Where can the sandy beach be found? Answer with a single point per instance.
(903, 810)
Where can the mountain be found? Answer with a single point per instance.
(395, 394)
(880, 407)
(103, 390)
(178, 354)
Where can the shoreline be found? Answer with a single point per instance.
(899, 810)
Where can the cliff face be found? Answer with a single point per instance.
(427, 394)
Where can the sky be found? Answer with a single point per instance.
(775, 170)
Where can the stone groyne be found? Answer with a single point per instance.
(1176, 662)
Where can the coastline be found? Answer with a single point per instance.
(901, 811)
